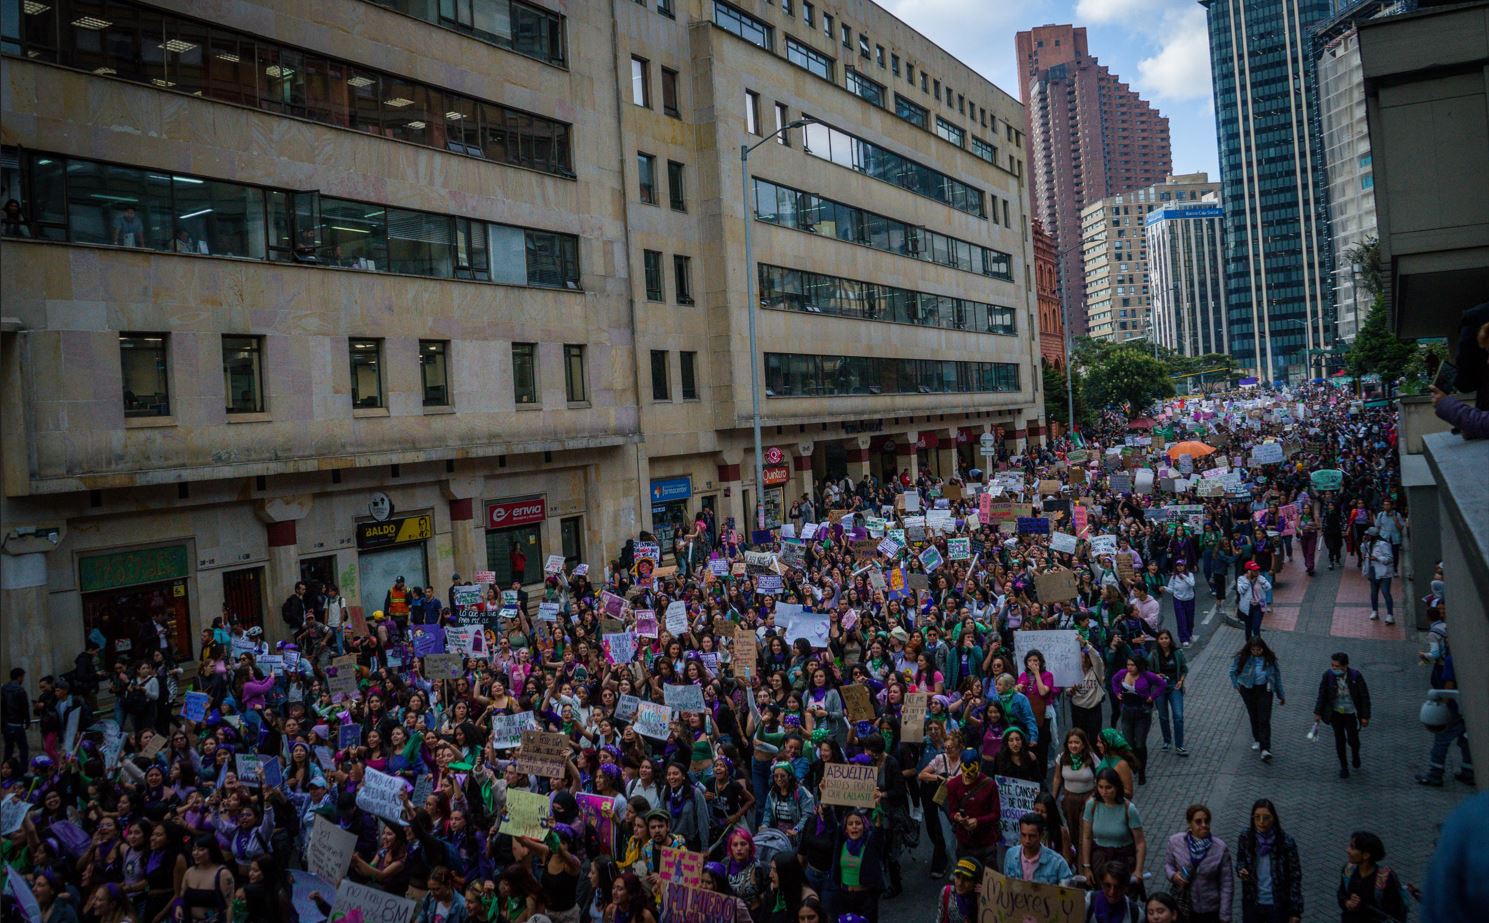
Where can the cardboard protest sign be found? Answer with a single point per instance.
(857, 702)
(343, 683)
(1055, 586)
(526, 814)
(1078, 477)
(1015, 799)
(1048, 487)
(382, 795)
(686, 698)
(653, 720)
(369, 905)
(912, 716)
(864, 549)
(682, 904)
(1125, 570)
(543, 754)
(625, 707)
(849, 784)
(329, 853)
(506, 730)
(1062, 542)
(918, 582)
(1061, 649)
(746, 652)
(443, 666)
(682, 866)
(1010, 900)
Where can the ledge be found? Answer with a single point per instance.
(1458, 464)
(250, 418)
(362, 413)
(148, 422)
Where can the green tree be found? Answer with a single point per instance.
(1056, 400)
(1365, 258)
(1378, 351)
(1125, 372)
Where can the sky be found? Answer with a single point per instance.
(1158, 47)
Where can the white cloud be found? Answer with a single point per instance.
(1181, 68)
(1114, 11)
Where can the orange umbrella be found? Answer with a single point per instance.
(1192, 448)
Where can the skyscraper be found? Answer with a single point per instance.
(1090, 136)
(1186, 266)
(1278, 293)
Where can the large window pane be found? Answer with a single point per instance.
(118, 205)
(552, 260)
(367, 373)
(142, 359)
(508, 254)
(230, 69)
(420, 244)
(242, 373)
(434, 372)
(525, 373)
(185, 51)
(218, 218)
(353, 234)
(281, 79)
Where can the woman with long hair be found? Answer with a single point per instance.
(206, 888)
(1017, 759)
(1270, 870)
(1169, 662)
(1255, 674)
(602, 875)
(628, 902)
(1111, 828)
(789, 890)
(1116, 754)
(1074, 777)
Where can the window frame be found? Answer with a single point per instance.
(442, 349)
(688, 377)
(640, 81)
(158, 410)
(376, 352)
(576, 374)
(254, 345)
(682, 278)
(661, 376)
(528, 395)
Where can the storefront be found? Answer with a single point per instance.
(123, 590)
(669, 508)
(397, 547)
(514, 539)
(776, 479)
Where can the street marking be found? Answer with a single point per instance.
(1211, 617)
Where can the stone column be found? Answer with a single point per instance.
(463, 493)
(732, 503)
(858, 459)
(904, 455)
(29, 641)
(279, 516)
(1017, 438)
(801, 472)
(946, 453)
(1036, 432)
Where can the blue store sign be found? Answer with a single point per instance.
(670, 490)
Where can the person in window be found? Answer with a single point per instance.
(129, 230)
(183, 242)
(12, 221)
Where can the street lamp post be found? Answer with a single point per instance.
(754, 309)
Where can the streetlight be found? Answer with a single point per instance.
(754, 306)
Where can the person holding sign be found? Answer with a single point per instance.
(858, 865)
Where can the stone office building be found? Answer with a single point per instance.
(363, 289)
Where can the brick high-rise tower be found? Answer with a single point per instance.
(1090, 136)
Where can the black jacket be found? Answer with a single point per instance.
(15, 704)
(1328, 692)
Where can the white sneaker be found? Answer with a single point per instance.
(1375, 616)
(1256, 745)
(1390, 620)
(1266, 756)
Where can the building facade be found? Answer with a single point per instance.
(1090, 136)
(1279, 292)
(1114, 255)
(356, 290)
(1047, 294)
(1186, 271)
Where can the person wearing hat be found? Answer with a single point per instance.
(398, 601)
(959, 900)
(1032, 860)
(1253, 589)
(1379, 565)
(973, 807)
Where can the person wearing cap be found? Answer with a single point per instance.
(1032, 860)
(960, 899)
(973, 808)
(1253, 589)
(397, 602)
(1379, 557)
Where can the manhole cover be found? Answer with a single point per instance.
(1384, 667)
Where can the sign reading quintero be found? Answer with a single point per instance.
(132, 568)
(776, 475)
(503, 514)
(395, 531)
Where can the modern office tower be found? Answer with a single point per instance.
(1090, 136)
(1114, 253)
(1279, 294)
(1186, 272)
(351, 290)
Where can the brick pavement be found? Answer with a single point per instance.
(1317, 616)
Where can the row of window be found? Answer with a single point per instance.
(661, 375)
(641, 87)
(799, 375)
(646, 175)
(86, 201)
(777, 204)
(521, 27)
(817, 293)
(682, 277)
(849, 151)
(144, 359)
(140, 43)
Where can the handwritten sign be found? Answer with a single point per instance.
(746, 652)
(195, 706)
(444, 666)
(686, 698)
(13, 814)
(526, 814)
(543, 754)
(930, 559)
(330, 851)
(912, 717)
(370, 904)
(682, 866)
(1063, 542)
(1033, 525)
(382, 795)
(677, 617)
(812, 626)
(1015, 799)
(683, 904)
(625, 707)
(1061, 649)
(849, 784)
(620, 647)
(1010, 900)
(857, 702)
(653, 720)
(506, 730)
(1103, 544)
(959, 549)
(1055, 586)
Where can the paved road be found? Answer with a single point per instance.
(1313, 618)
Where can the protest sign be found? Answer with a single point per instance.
(598, 811)
(13, 813)
(548, 612)
(382, 795)
(746, 653)
(1125, 570)
(1266, 453)
(466, 596)
(526, 814)
(543, 754)
(930, 559)
(506, 730)
(486, 577)
(769, 584)
(687, 698)
(793, 554)
(1015, 799)
(909, 501)
(1033, 525)
(682, 866)
(857, 702)
(194, 708)
(864, 549)
(330, 851)
(612, 605)
(1055, 586)
(302, 885)
(465, 640)
(959, 549)
(428, 639)
(19, 888)
(1062, 542)
(889, 547)
(646, 623)
(682, 904)
(1011, 900)
(369, 904)
(653, 720)
(625, 707)
(348, 735)
(850, 784)
(918, 581)
(912, 716)
(813, 626)
(620, 647)
(444, 666)
(554, 564)
(1078, 477)
(1121, 483)
(1061, 650)
(719, 567)
(343, 682)
(1048, 487)
(677, 617)
(1327, 479)
(247, 766)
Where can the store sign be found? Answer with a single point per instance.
(670, 490)
(132, 568)
(776, 476)
(504, 514)
(395, 531)
(773, 456)
(380, 507)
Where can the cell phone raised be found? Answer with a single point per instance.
(1446, 377)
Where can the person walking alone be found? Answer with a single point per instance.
(1333, 531)
(1252, 592)
(1379, 563)
(1343, 703)
(1390, 526)
(1254, 673)
(1181, 589)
